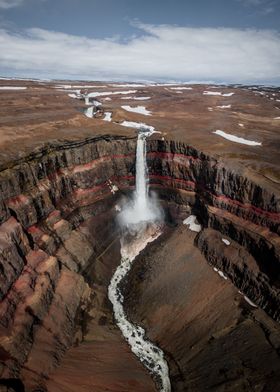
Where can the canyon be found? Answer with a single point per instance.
(209, 299)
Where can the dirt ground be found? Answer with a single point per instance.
(44, 113)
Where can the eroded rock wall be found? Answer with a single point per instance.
(80, 172)
(52, 208)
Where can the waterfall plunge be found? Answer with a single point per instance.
(144, 208)
(141, 200)
(142, 218)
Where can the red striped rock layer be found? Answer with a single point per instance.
(32, 189)
(48, 200)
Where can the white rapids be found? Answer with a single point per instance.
(141, 221)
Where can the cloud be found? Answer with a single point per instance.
(161, 52)
(6, 4)
(254, 2)
(268, 10)
(263, 7)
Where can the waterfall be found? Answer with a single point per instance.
(141, 199)
(142, 217)
(143, 208)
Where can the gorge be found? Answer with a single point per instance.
(142, 222)
(208, 300)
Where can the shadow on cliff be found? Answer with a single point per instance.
(11, 385)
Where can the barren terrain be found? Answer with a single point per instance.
(210, 300)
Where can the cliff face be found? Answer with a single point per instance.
(49, 242)
(212, 337)
(32, 188)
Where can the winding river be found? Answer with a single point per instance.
(150, 355)
(142, 217)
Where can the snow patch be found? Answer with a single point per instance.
(104, 93)
(217, 93)
(89, 86)
(224, 107)
(137, 109)
(180, 88)
(138, 125)
(128, 85)
(237, 139)
(142, 98)
(12, 88)
(63, 86)
(69, 86)
(250, 302)
(96, 103)
(137, 98)
(90, 111)
(108, 116)
(190, 221)
(211, 93)
(222, 275)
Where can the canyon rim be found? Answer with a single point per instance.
(196, 226)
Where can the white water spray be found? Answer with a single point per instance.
(142, 217)
(143, 208)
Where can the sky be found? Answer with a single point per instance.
(232, 41)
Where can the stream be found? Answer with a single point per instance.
(141, 222)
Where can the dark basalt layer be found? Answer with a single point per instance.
(57, 220)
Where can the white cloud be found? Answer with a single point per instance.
(166, 52)
(10, 3)
(254, 2)
(263, 7)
